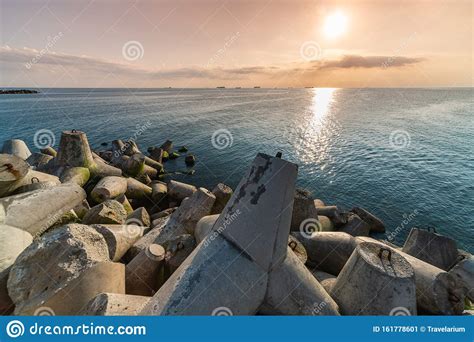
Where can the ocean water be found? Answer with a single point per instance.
(404, 154)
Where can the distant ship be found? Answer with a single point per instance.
(238, 87)
(257, 87)
(220, 87)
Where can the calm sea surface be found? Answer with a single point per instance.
(404, 154)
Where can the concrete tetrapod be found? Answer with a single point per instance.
(17, 148)
(142, 274)
(437, 250)
(12, 242)
(251, 245)
(109, 188)
(223, 194)
(180, 191)
(119, 238)
(74, 150)
(12, 170)
(375, 281)
(464, 273)
(38, 210)
(303, 208)
(114, 304)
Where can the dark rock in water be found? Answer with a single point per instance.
(167, 146)
(173, 155)
(104, 144)
(190, 160)
(18, 91)
(183, 149)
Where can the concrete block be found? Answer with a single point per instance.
(114, 304)
(137, 190)
(17, 148)
(375, 224)
(77, 175)
(139, 217)
(109, 188)
(204, 227)
(143, 274)
(223, 194)
(179, 191)
(12, 242)
(355, 226)
(107, 212)
(303, 208)
(119, 238)
(147, 239)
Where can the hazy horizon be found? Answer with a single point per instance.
(210, 43)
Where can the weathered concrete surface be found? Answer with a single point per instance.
(77, 175)
(336, 216)
(204, 227)
(123, 200)
(119, 238)
(17, 148)
(156, 154)
(139, 217)
(159, 190)
(325, 279)
(265, 198)
(35, 185)
(177, 250)
(113, 304)
(199, 287)
(36, 211)
(186, 217)
(292, 290)
(49, 151)
(74, 150)
(303, 208)
(223, 194)
(374, 281)
(463, 271)
(375, 224)
(52, 262)
(109, 188)
(147, 239)
(355, 226)
(162, 214)
(325, 224)
(81, 209)
(327, 251)
(107, 212)
(437, 250)
(12, 242)
(319, 203)
(103, 169)
(297, 247)
(179, 191)
(12, 170)
(137, 190)
(143, 275)
(38, 160)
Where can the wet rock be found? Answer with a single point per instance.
(375, 224)
(223, 194)
(109, 188)
(167, 146)
(173, 155)
(17, 148)
(156, 154)
(190, 160)
(437, 250)
(113, 304)
(183, 149)
(107, 212)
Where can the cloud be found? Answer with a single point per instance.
(355, 61)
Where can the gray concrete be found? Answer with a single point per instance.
(204, 227)
(107, 212)
(375, 281)
(355, 226)
(143, 275)
(74, 150)
(137, 190)
(375, 224)
(12, 242)
(109, 188)
(159, 190)
(139, 217)
(463, 271)
(17, 148)
(147, 239)
(223, 194)
(297, 247)
(12, 170)
(334, 214)
(303, 208)
(179, 191)
(113, 304)
(77, 175)
(119, 238)
(177, 250)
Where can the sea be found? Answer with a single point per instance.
(406, 155)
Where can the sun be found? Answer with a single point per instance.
(335, 25)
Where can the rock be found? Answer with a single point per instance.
(153, 163)
(156, 154)
(66, 253)
(147, 239)
(76, 175)
(167, 146)
(173, 155)
(307, 296)
(12, 170)
(12, 242)
(39, 160)
(204, 227)
(297, 248)
(142, 274)
(185, 218)
(183, 149)
(137, 190)
(159, 190)
(109, 188)
(119, 238)
(437, 250)
(49, 151)
(355, 226)
(113, 304)
(107, 212)
(336, 217)
(17, 148)
(303, 209)
(375, 224)
(6, 304)
(223, 194)
(139, 217)
(375, 281)
(180, 191)
(38, 210)
(190, 160)
(177, 250)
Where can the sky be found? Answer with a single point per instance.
(210, 43)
